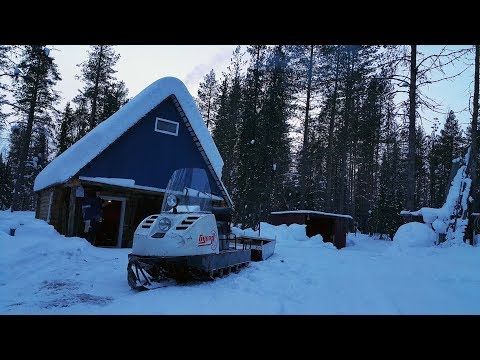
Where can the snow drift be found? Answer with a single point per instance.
(45, 273)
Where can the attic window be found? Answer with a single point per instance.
(166, 126)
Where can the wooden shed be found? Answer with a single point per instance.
(129, 159)
(332, 227)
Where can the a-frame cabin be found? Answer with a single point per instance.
(129, 159)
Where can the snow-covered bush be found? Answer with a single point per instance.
(414, 234)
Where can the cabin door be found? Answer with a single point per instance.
(110, 231)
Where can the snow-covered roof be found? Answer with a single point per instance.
(66, 165)
(311, 212)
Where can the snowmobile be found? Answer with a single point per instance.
(188, 240)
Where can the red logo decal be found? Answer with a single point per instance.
(204, 240)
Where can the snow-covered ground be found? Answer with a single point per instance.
(43, 272)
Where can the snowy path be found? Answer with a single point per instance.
(43, 272)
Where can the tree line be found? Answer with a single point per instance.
(334, 128)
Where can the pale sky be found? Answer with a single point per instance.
(141, 65)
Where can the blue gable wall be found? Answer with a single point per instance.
(147, 156)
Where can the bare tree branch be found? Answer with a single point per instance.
(445, 78)
(435, 56)
(459, 54)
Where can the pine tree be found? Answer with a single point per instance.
(422, 185)
(308, 72)
(37, 160)
(385, 217)
(35, 97)
(114, 97)
(247, 180)
(65, 135)
(372, 117)
(274, 143)
(314, 195)
(356, 67)
(80, 118)
(333, 68)
(17, 133)
(207, 93)
(97, 74)
(433, 160)
(449, 146)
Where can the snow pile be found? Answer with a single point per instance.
(414, 234)
(45, 272)
(285, 235)
(15, 220)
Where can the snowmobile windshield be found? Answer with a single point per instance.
(191, 192)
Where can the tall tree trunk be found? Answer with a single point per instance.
(328, 190)
(474, 165)
(353, 165)
(95, 90)
(432, 166)
(346, 140)
(351, 186)
(16, 201)
(410, 203)
(305, 164)
(475, 153)
(309, 88)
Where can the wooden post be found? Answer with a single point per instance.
(71, 211)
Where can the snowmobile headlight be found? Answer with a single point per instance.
(172, 200)
(164, 224)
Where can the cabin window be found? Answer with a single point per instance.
(166, 126)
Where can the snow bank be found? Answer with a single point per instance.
(34, 237)
(15, 220)
(285, 235)
(414, 234)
